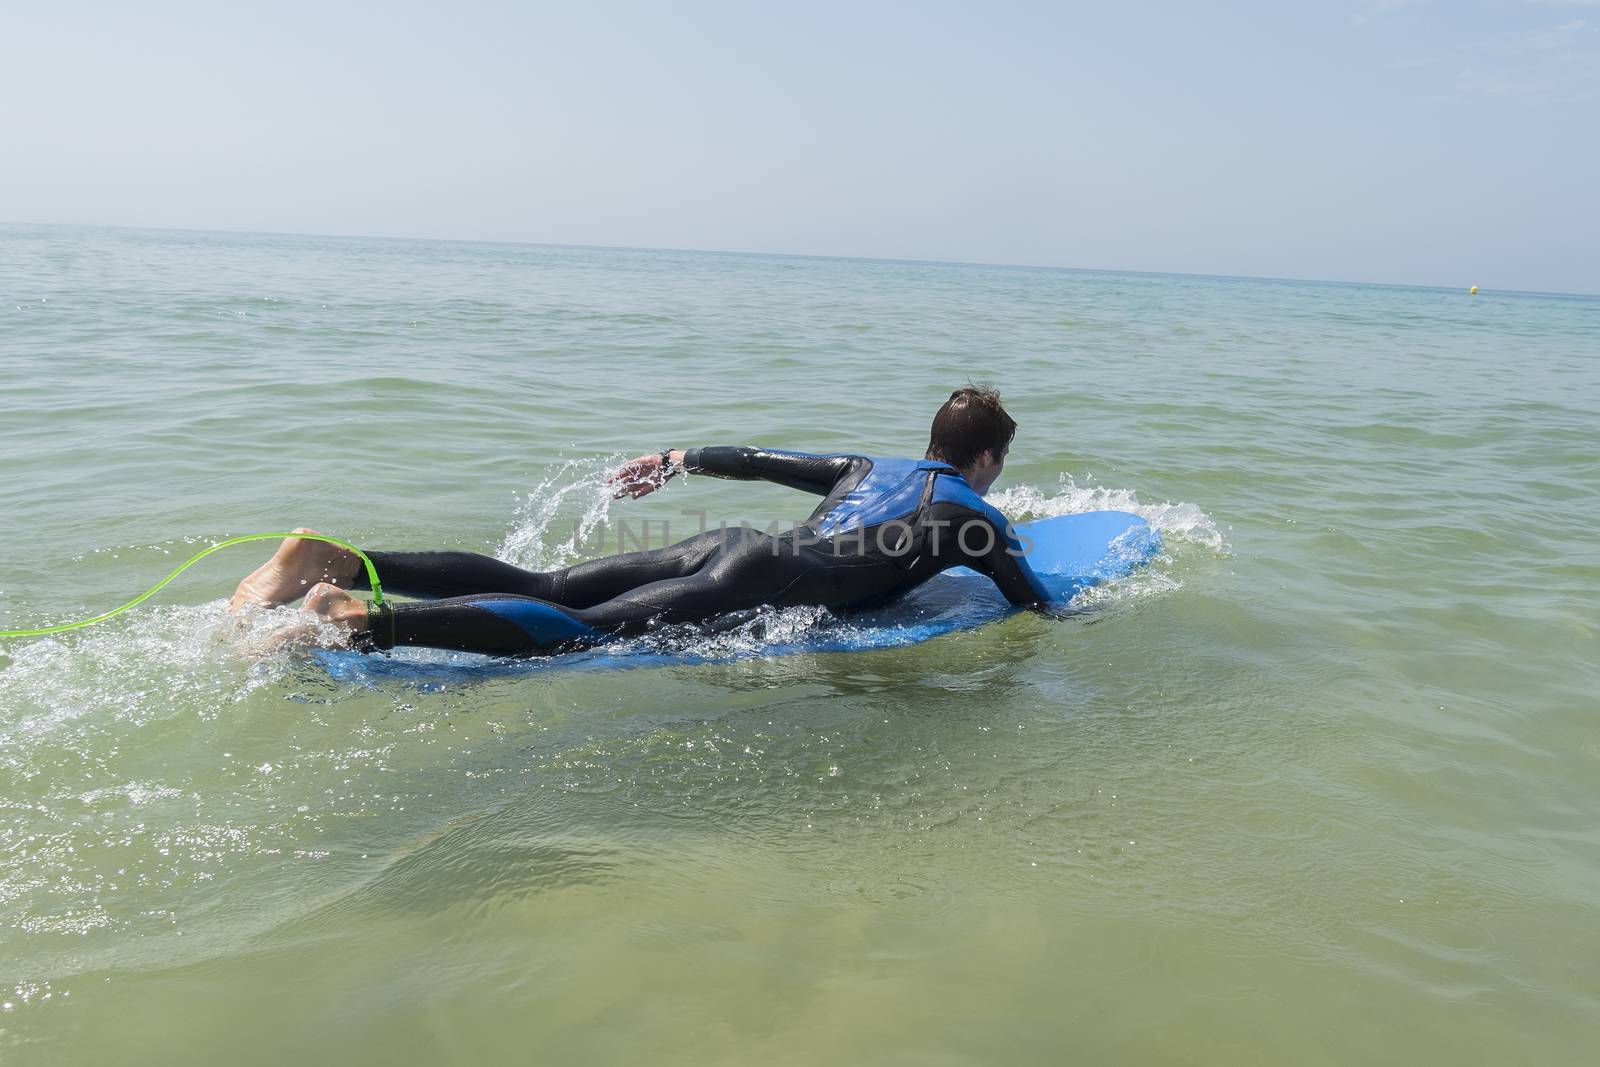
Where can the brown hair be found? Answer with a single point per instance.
(969, 424)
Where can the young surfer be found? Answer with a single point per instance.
(883, 527)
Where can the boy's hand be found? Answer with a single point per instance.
(639, 477)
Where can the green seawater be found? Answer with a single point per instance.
(1321, 786)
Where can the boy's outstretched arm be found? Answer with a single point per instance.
(796, 470)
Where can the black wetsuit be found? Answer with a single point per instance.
(883, 527)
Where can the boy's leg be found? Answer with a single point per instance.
(503, 624)
(298, 564)
(495, 624)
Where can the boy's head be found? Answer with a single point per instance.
(973, 433)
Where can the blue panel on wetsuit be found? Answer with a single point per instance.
(545, 623)
(892, 489)
(955, 490)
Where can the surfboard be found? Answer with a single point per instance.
(1069, 553)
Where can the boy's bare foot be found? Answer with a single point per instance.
(293, 568)
(338, 615)
(337, 607)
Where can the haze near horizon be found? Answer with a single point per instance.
(1385, 142)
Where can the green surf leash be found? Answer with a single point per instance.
(45, 631)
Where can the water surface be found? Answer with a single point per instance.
(1318, 787)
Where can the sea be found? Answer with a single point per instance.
(1320, 785)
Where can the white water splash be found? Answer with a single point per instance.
(558, 516)
(147, 665)
(748, 634)
(1178, 524)
(1184, 529)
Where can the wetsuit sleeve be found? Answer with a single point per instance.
(797, 470)
(1000, 555)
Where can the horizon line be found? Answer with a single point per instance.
(792, 255)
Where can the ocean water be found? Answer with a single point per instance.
(1320, 786)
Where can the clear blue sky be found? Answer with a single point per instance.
(1439, 143)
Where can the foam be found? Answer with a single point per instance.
(1182, 523)
(574, 493)
(195, 656)
(1184, 529)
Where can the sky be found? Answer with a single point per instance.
(1445, 143)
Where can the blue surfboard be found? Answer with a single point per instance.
(1068, 552)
